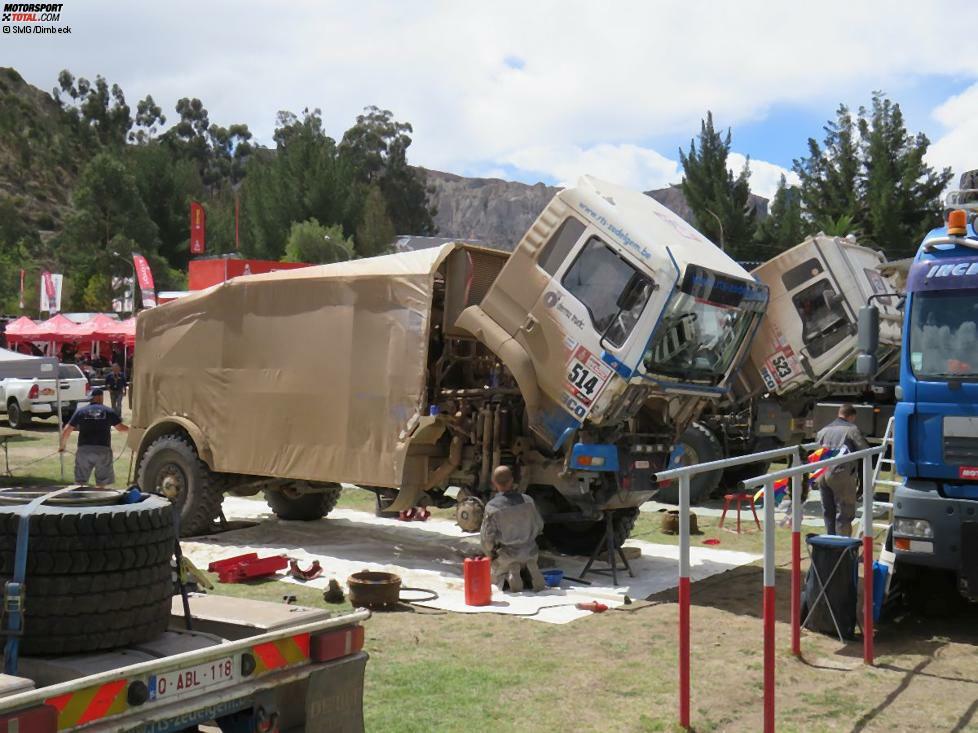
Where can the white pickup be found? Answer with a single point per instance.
(24, 399)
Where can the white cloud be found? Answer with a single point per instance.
(629, 165)
(586, 81)
(764, 176)
(958, 146)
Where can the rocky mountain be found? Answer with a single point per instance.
(499, 212)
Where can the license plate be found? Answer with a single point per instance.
(191, 679)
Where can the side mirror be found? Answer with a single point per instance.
(868, 340)
(869, 329)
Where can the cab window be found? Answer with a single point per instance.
(823, 317)
(801, 274)
(613, 291)
(561, 243)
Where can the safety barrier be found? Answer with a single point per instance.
(796, 474)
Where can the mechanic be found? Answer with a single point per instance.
(510, 527)
(115, 381)
(94, 424)
(838, 485)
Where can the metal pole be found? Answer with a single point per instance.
(57, 390)
(684, 482)
(867, 560)
(769, 609)
(797, 482)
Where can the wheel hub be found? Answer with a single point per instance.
(172, 482)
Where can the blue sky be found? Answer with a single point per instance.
(542, 91)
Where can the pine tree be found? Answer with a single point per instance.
(719, 200)
(375, 235)
(784, 226)
(901, 192)
(830, 177)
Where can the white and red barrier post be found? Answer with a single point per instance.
(769, 607)
(797, 482)
(868, 559)
(684, 482)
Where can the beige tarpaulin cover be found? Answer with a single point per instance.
(310, 373)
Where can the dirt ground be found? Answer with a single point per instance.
(436, 671)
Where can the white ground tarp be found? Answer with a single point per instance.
(429, 555)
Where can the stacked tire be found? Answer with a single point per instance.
(98, 577)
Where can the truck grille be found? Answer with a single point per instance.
(960, 449)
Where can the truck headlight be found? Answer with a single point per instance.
(913, 528)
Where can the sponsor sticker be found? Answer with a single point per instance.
(968, 472)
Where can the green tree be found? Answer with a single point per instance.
(784, 226)
(97, 111)
(720, 201)
(97, 295)
(376, 150)
(309, 241)
(901, 192)
(869, 176)
(108, 217)
(375, 235)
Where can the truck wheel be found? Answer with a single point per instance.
(16, 417)
(580, 538)
(732, 477)
(171, 467)
(292, 506)
(98, 577)
(699, 446)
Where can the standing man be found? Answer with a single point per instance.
(115, 381)
(94, 424)
(510, 527)
(838, 485)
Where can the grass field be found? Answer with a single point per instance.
(435, 671)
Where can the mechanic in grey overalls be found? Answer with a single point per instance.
(510, 527)
(838, 485)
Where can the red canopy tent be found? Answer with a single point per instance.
(60, 329)
(18, 330)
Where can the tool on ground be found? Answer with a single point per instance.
(476, 572)
(190, 573)
(247, 567)
(313, 571)
(288, 600)
(333, 593)
(592, 606)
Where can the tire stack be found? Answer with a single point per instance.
(98, 577)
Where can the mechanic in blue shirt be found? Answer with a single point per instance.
(94, 424)
(115, 382)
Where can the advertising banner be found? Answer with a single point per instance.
(144, 276)
(198, 229)
(51, 291)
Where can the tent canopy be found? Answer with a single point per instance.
(63, 330)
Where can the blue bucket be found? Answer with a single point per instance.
(553, 577)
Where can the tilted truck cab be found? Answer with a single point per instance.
(577, 360)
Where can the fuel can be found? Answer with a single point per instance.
(478, 581)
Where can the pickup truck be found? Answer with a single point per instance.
(24, 399)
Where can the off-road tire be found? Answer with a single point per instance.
(97, 577)
(200, 499)
(16, 417)
(305, 507)
(707, 448)
(580, 538)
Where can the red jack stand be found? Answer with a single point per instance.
(313, 571)
(246, 567)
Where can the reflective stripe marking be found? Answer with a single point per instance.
(90, 704)
(281, 653)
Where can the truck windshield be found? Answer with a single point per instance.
(943, 341)
(704, 326)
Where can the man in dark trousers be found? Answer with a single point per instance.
(510, 527)
(115, 382)
(94, 424)
(838, 485)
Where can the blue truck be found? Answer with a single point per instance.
(935, 437)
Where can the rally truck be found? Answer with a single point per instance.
(935, 429)
(801, 364)
(578, 359)
(24, 399)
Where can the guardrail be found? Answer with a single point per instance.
(797, 476)
(684, 474)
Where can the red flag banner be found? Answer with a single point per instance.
(50, 291)
(22, 290)
(144, 276)
(198, 229)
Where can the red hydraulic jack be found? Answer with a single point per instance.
(247, 566)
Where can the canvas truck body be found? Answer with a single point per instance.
(576, 360)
